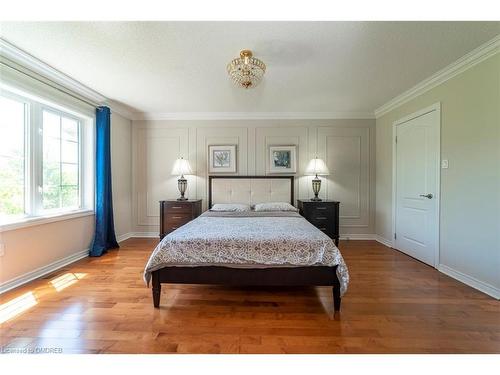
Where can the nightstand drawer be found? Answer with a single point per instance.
(324, 225)
(179, 207)
(174, 214)
(320, 217)
(170, 228)
(321, 210)
(177, 218)
(324, 215)
(324, 229)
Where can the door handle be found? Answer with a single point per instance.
(430, 196)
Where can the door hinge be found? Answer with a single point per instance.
(396, 139)
(395, 236)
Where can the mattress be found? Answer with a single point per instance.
(248, 240)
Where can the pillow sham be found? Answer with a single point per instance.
(230, 207)
(275, 206)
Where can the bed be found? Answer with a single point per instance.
(248, 248)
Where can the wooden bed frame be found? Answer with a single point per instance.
(282, 276)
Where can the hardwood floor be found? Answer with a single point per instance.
(394, 304)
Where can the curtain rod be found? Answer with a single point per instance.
(95, 105)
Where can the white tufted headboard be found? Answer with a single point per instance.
(250, 189)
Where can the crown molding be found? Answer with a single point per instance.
(119, 108)
(152, 116)
(474, 57)
(30, 63)
(24, 59)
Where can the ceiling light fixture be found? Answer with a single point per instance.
(246, 71)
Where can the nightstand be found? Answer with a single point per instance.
(322, 214)
(174, 214)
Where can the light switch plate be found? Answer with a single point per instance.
(444, 164)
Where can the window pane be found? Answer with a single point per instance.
(51, 150)
(60, 162)
(69, 152)
(51, 175)
(70, 196)
(70, 129)
(51, 125)
(69, 174)
(51, 197)
(12, 180)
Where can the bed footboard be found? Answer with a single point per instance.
(283, 276)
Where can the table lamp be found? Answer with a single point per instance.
(317, 167)
(181, 168)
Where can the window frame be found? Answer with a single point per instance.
(39, 209)
(26, 136)
(34, 214)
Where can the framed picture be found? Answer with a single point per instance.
(282, 159)
(222, 159)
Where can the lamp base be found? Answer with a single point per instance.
(316, 186)
(182, 186)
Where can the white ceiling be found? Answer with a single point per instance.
(165, 67)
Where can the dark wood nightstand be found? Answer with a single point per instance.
(174, 214)
(322, 214)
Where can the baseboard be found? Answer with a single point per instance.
(42, 271)
(45, 270)
(384, 241)
(470, 281)
(124, 237)
(145, 234)
(357, 236)
(373, 237)
(128, 235)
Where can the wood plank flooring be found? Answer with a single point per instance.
(394, 304)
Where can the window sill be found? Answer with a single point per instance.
(39, 220)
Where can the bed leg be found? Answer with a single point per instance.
(336, 295)
(336, 302)
(336, 298)
(156, 290)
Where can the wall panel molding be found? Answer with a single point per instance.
(157, 150)
(347, 154)
(348, 143)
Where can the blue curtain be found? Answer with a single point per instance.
(104, 237)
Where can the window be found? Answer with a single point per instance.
(61, 161)
(12, 158)
(44, 149)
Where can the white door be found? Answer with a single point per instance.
(417, 186)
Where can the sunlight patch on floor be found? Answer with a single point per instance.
(63, 281)
(24, 302)
(17, 306)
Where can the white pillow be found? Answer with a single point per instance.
(231, 207)
(275, 206)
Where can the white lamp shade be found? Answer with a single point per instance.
(317, 167)
(181, 167)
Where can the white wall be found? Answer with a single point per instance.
(44, 247)
(470, 188)
(347, 145)
(30, 249)
(121, 173)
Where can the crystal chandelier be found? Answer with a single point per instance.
(246, 71)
